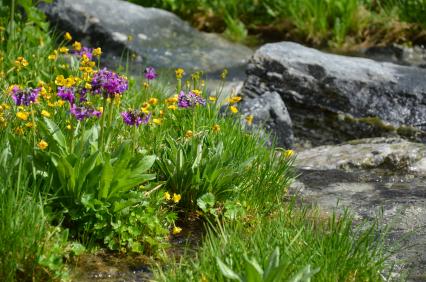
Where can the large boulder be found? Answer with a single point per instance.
(154, 36)
(334, 98)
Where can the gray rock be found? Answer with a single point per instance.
(398, 54)
(334, 98)
(270, 109)
(374, 178)
(155, 37)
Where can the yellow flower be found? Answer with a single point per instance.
(76, 45)
(167, 196)
(101, 109)
(45, 113)
(249, 119)
(87, 86)
(179, 73)
(233, 99)
(176, 230)
(172, 107)
(288, 153)
(172, 100)
(70, 81)
(153, 101)
(196, 92)
(157, 121)
(146, 85)
(176, 198)
(216, 128)
(189, 134)
(161, 113)
(233, 109)
(63, 50)
(97, 52)
(42, 144)
(69, 126)
(53, 56)
(212, 98)
(60, 103)
(19, 131)
(22, 115)
(21, 62)
(68, 36)
(60, 80)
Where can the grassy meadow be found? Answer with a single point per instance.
(93, 159)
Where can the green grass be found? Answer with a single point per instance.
(335, 24)
(329, 246)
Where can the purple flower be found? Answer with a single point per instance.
(84, 51)
(81, 113)
(66, 94)
(108, 83)
(150, 73)
(135, 118)
(24, 96)
(189, 100)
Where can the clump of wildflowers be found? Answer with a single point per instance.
(24, 97)
(190, 99)
(135, 118)
(150, 73)
(108, 83)
(66, 94)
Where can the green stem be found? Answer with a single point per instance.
(101, 137)
(12, 20)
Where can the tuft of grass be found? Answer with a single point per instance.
(326, 248)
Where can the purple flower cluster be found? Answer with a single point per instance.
(150, 73)
(135, 118)
(24, 96)
(83, 112)
(66, 94)
(84, 51)
(108, 83)
(187, 100)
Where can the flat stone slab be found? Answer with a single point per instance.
(373, 178)
(156, 37)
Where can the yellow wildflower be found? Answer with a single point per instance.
(63, 50)
(87, 86)
(68, 36)
(21, 62)
(45, 113)
(101, 109)
(161, 113)
(196, 92)
(97, 52)
(189, 134)
(60, 103)
(249, 119)
(216, 128)
(213, 98)
(167, 196)
(146, 85)
(69, 126)
(42, 144)
(76, 45)
(153, 101)
(172, 107)
(157, 121)
(19, 131)
(179, 73)
(172, 100)
(60, 80)
(176, 230)
(288, 153)
(233, 109)
(22, 115)
(176, 198)
(53, 56)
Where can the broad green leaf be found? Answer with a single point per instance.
(56, 134)
(254, 272)
(226, 271)
(106, 179)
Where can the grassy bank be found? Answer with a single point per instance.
(336, 24)
(91, 158)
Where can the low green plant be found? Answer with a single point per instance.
(311, 246)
